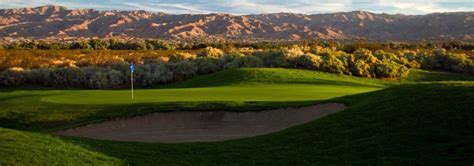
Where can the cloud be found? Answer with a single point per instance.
(261, 6)
(168, 7)
(423, 7)
(70, 4)
(257, 6)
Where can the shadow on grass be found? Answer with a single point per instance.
(308, 82)
(411, 124)
(44, 116)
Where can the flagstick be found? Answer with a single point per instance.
(131, 80)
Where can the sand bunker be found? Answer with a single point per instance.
(201, 126)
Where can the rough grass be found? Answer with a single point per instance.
(416, 75)
(413, 124)
(26, 148)
(252, 76)
(408, 123)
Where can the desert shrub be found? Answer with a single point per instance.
(182, 70)
(122, 67)
(332, 64)
(98, 80)
(13, 77)
(208, 65)
(293, 52)
(410, 55)
(116, 78)
(67, 77)
(211, 52)
(361, 68)
(103, 68)
(273, 58)
(99, 44)
(308, 61)
(246, 61)
(229, 57)
(366, 55)
(471, 66)
(58, 77)
(440, 59)
(152, 74)
(179, 56)
(426, 60)
(81, 45)
(389, 69)
(381, 55)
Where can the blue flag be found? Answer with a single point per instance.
(132, 67)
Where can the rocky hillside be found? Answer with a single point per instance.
(57, 21)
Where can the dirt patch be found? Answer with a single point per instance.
(201, 126)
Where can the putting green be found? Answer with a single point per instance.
(262, 92)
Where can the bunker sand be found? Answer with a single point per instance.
(173, 127)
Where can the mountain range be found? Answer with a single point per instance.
(60, 22)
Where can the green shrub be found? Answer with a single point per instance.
(211, 52)
(361, 68)
(208, 65)
(332, 64)
(183, 70)
(308, 61)
(389, 69)
(152, 74)
(13, 77)
(366, 55)
(246, 61)
(180, 56)
(273, 58)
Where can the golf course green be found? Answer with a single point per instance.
(388, 122)
(238, 85)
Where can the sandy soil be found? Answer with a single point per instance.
(201, 126)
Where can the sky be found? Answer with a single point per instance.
(240, 7)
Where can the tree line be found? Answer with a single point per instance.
(177, 66)
(158, 44)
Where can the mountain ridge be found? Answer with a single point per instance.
(60, 22)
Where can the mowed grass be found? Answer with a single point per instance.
(259, 92)
(408, 124)
(238, 85)
(231, 90)
(394, 123)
